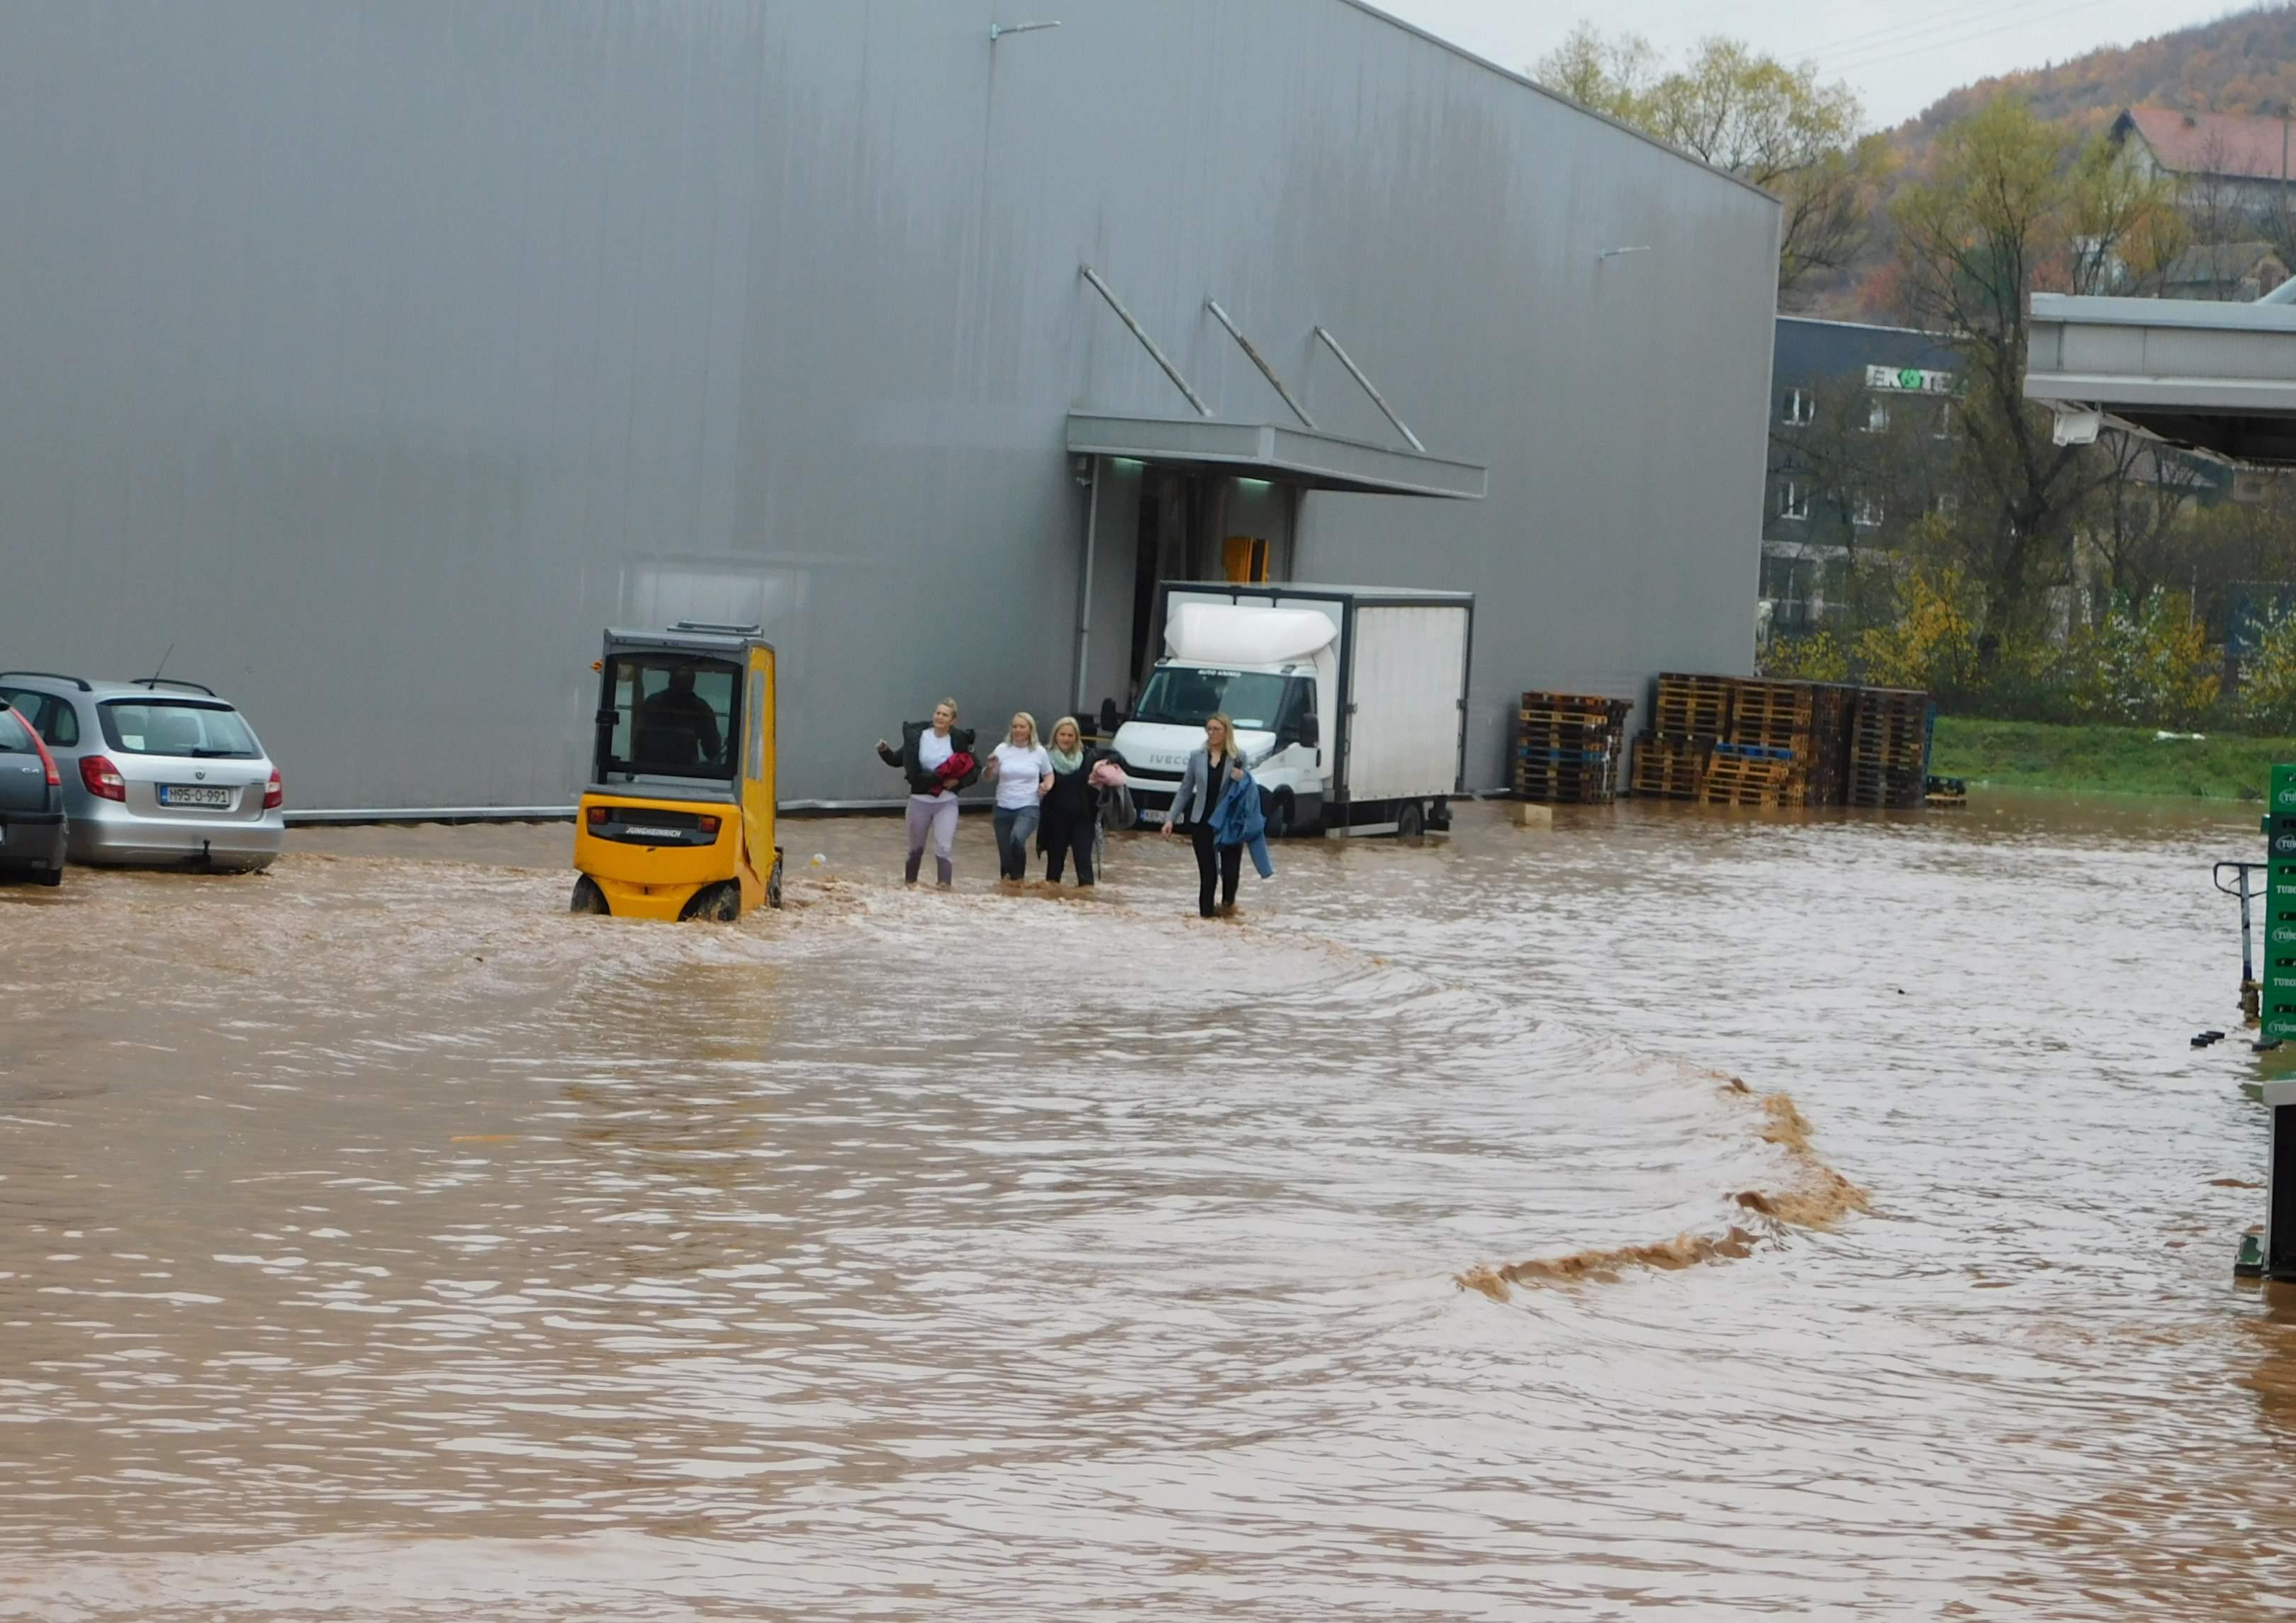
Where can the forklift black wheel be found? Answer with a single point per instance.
(588, 897)
(721, 904)
(773, 885)
(1410, 822)
(1278, 812)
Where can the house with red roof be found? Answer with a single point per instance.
(2242, 165)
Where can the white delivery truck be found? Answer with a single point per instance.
(1350, 701)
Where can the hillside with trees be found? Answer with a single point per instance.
(2244, 63)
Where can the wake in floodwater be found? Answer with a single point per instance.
(1818, 1197)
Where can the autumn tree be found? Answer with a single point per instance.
(1752, 115)
(2015, 204)
(2136, 531)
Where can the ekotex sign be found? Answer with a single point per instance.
(1908, 380)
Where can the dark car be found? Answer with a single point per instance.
(31, 803)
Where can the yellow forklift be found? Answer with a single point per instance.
(677, 821)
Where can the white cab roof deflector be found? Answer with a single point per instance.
(1231, 633)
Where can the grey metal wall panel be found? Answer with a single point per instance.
(376, 354)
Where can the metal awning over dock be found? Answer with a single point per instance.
(2208, 377)
(1302, 456)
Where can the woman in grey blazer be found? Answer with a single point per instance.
(1209, 771)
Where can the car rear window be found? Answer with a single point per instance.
(175, 727)
(15, 737)
(52, 718)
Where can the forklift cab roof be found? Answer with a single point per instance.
(689, 636)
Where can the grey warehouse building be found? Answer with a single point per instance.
(374, 355)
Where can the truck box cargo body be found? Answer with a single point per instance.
(1350, 703)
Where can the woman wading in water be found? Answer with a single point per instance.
(1209, 770)
(1071, 805)
(936, 757)
(1023, 770)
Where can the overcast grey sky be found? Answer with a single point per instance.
(1899, 55)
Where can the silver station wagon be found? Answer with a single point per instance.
(156, 771)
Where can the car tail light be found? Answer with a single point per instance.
(275, 792)
(102, 778)
(596, 814)
(55, 778)
(708, 825)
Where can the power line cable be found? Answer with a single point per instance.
(1946, 28)
(1861, 63)
(1858, 43)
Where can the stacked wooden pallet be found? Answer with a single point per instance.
(1737, 740)
(1770, 730)
(1740, 776)
(1889, 747)
(1672, 759)
(1692, 707)
(1568, 747)
(1670, 768)
(1826, 762)
(1776, 715)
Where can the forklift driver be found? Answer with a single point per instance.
(675, 728)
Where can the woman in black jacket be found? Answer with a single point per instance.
(1071, 805)
(936, 758)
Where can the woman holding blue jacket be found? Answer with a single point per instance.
(1210, 772)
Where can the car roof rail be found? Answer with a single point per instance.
(52, 676)
(158, 681)
(731, 630)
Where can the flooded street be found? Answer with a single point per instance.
(378, 1241)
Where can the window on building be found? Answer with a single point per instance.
(1790, 586)
(1877, 416)
(1793, 499)
(1801, 408)
(1867, 512)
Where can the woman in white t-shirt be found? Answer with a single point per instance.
(1023, 770)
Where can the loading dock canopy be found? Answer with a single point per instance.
(2208, 377)
(1270, 451)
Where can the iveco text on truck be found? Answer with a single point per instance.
(1350, 701)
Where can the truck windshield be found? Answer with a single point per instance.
(673, 716)
(1186, 695)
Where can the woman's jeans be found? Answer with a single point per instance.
(1220, 863)
(930, 813)
(1014, 826)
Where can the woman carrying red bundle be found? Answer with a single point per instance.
(936, 757)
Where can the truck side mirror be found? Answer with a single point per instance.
(1307, 731)
(1110, 720)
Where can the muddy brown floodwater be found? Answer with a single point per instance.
(379, 1241)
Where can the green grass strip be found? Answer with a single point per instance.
(2127, 760)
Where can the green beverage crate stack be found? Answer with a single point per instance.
(2280, 908)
